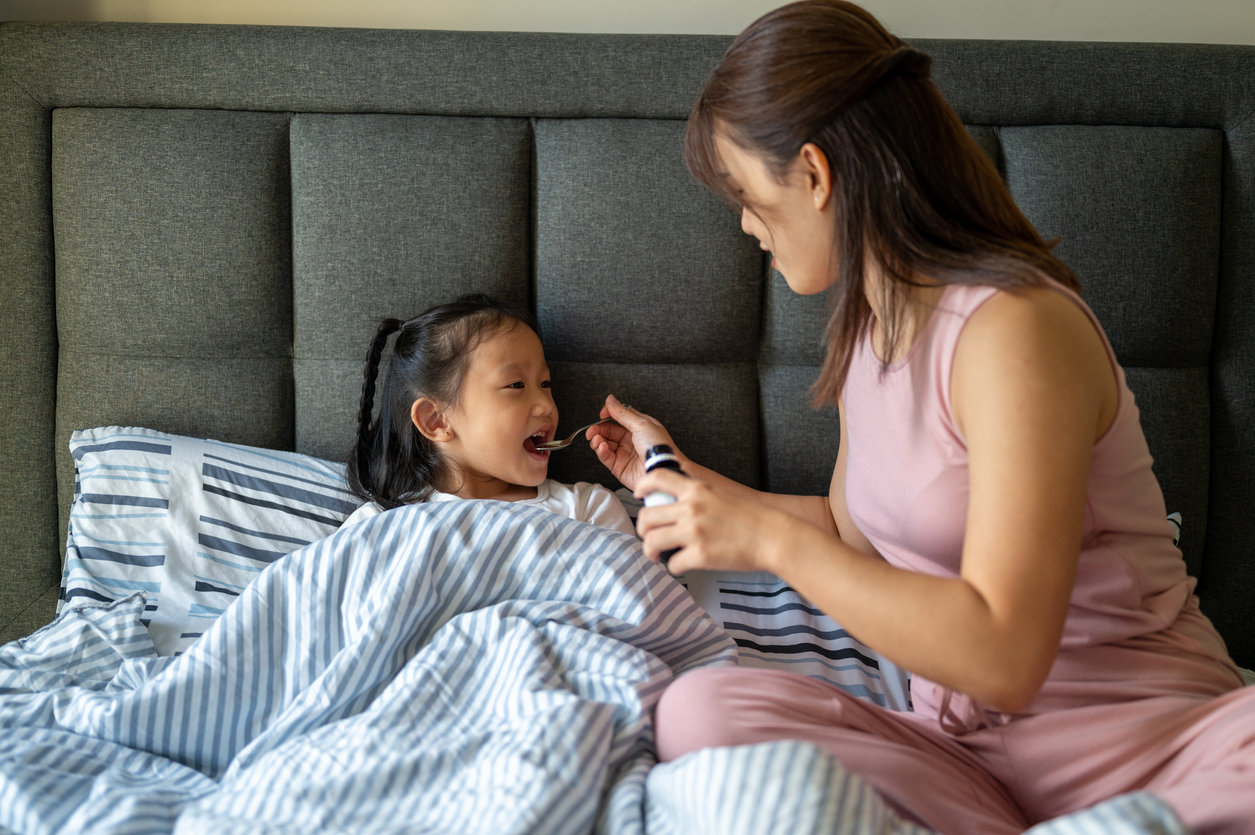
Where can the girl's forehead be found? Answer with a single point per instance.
(510, 348)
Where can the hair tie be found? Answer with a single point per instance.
(902, 58)
(909, 60)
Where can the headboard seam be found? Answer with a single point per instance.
(4, 626)
(11, 77)
(1240, 122)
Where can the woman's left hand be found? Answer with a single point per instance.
(714, 529)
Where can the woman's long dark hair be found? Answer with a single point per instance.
(392, 463)
(914, 194)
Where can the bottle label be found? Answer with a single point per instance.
(659, 459)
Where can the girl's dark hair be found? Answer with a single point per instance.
(914, 194)
(392, 463)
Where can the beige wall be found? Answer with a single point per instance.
(1202, 21)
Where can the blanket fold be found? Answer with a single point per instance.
(463, 666)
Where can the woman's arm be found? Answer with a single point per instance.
(817, 510)
(1032, 391)
(622, 449)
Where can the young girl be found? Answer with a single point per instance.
(993, 523)
(465, 401)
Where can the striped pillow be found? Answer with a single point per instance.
(188, 521)
(776, 628)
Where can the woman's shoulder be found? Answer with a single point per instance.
(1038, 337)
(1038, 317)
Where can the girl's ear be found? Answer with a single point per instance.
(430, 421)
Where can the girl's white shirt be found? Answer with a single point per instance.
(582, 501)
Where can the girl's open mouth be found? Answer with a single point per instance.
(530, 445)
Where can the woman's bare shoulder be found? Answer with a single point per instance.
(1035, 337)
(1008, 312)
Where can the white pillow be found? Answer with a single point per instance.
(189, 522)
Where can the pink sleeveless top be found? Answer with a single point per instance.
(1133, 628)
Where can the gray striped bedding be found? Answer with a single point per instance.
(776, 628)
(188, 521)
(191, 522)
(463, 667)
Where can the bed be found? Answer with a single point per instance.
(201, 224)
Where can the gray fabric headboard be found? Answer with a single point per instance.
(198, 225)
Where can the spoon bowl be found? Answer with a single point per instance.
(550, 446)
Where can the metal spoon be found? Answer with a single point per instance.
(550, 446)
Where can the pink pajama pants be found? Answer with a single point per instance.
(1197, 754)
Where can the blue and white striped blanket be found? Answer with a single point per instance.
(464, 667)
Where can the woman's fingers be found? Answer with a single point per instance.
(604, 451)
(665, 527)
(614, 449)
(662, 528)
(714, 530)
(632, 419)
(609, 431)
(611, 457)
(651, 519)
(662, 542)
(621, 446)
(665, 481)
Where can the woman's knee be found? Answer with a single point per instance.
(690, 715)
(716, 707)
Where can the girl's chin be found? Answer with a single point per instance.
(534, 475)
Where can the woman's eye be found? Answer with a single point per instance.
(546, 385)
(515, 385)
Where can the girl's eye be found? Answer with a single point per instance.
(546, 385)
(518, 384)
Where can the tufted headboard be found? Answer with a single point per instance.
(199, 224)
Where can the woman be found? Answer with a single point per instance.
(993, 523)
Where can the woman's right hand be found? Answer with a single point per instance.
(621, 448)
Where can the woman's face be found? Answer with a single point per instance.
(792, 217)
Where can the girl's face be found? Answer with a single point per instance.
(504, 409)
(791, 217)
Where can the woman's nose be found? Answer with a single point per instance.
(752, 225)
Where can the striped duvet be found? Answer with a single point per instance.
(463, 667)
